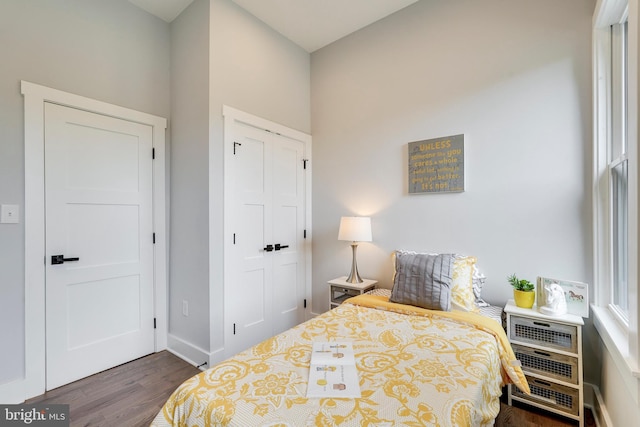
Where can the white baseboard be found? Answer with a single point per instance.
(599, 409)
(193, 354)
(588, 394)
(216, 357)
(186, 351)
(13, 392)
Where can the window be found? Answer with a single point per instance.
(617, 170)
(615, 185)
(619, 265)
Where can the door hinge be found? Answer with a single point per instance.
(304, 234)
(234, 329)
(154, 238)
(153, 153)
(154, 323)
(304, 163)
(235, 144)
(305, 303)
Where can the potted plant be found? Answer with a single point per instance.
(523, 291)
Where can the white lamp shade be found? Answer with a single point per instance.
(355, 229)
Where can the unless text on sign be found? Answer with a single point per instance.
(437, 165)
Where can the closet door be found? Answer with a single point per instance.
(265, 289)
(249, 293)
(287, 233)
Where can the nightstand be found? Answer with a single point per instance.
(342, 290)
(550, 350)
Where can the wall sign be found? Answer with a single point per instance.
(437, 165)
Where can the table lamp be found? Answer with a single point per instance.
(355, 229)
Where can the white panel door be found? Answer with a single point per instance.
(288, 228)
(98, 195)
(250, 296)
(266, 291)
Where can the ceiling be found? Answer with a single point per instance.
(167, 10)
(311, 24)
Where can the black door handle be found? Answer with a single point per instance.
(268, 248)
(279, 246)
(60, 259)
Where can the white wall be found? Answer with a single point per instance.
(514, 78)
(108, 50)
(619, 403)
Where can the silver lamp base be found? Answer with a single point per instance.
(354, 276)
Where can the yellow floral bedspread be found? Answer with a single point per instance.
(416, 367)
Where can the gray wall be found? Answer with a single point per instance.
(117, 53)
(513, 77)
(107, 50)
(220, 55)
(189, 245)
(256, 70)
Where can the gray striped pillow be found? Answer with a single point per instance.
(423, 280)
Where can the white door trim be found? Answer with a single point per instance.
(35, 97)
(232, 115)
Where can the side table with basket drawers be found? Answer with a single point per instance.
(550, 350)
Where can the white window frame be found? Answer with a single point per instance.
(618, 332)
(617, 149)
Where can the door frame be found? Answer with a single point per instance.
(232, 115)
(35, 97)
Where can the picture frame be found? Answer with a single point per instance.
(436, 165)
(576, 295)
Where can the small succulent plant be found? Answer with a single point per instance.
(520, 284)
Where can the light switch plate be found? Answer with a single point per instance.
(9, 214)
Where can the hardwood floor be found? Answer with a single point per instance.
(125, 396)
(526, 416)
(131, 395)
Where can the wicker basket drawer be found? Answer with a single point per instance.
(544, 333)
(552, 365)
(551, 395)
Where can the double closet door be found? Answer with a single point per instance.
(265, 289)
